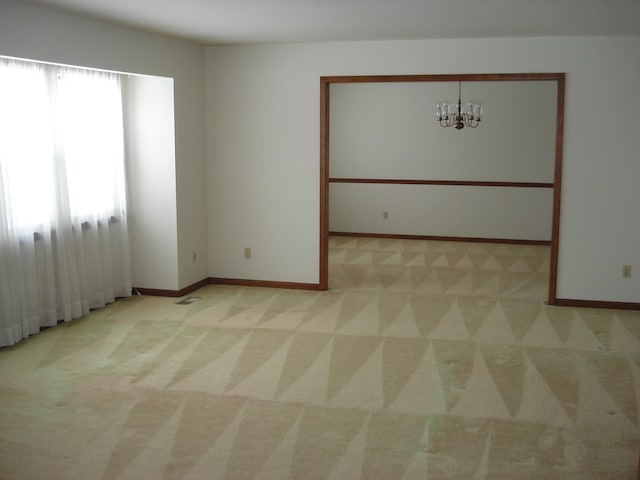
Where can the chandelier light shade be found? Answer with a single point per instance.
(452, 116)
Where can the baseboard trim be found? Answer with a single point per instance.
(157, 292)
(263, 283)
(569, 302)
(441, 238)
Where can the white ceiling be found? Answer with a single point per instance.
(213, 22)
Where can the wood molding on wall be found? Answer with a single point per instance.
(512, 241)
(567, 302)
(564, 302)
(449, 183)
(156, 292)
(263, 283)
(557, 190)
(325, 84)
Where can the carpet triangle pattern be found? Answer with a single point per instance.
(424, 360)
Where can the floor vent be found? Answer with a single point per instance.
(188, 301)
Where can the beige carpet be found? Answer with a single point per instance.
(425, 360)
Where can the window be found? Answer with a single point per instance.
(62, 182)
(61, 143)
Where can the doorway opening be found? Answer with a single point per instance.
(325, 83)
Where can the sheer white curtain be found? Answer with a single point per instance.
(63, 227)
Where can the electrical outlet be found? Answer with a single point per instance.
(247, 253)
(626, 271)
(385, 215)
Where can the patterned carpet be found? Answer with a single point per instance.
(424, 360)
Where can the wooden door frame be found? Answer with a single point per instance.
(325, 84)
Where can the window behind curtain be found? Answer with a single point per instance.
(26, 143)
(61, 143)
(64, 244)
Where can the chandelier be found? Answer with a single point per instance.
(459, 119)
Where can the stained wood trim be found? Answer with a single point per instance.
(567, 302)
(325, 83)
(510, 241)
(323, 276)
(471, 77)
(156, 292)
(461, 183)
(263, 283)
(557, 191)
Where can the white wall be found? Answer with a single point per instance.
(37, 33)
(389, 131)
(262, 134)
(151, 179)
(263, 149)
(447, 211)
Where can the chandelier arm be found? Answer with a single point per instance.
(459, 119)
(447, 121)
(472, 122)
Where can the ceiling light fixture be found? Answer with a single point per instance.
(459, 119)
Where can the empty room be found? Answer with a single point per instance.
(319, 240)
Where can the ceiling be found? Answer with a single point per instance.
(217, 22)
